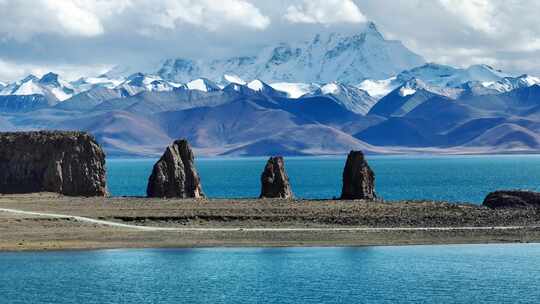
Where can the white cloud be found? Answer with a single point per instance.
(25, 18)
(478, 14)
(208, 14)
(82, 33)
(11, 71)
(325, 12)
(22, 19)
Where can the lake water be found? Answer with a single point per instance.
(408, 274)
(448, 178)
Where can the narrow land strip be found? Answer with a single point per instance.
(344, 229)
(50, 221)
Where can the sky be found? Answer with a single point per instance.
(85, 37)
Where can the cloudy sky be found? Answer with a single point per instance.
(81, 37)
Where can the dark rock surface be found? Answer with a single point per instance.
(174, 175)
(358, 178)
(274, 180)
(512, 199)
(70, 163)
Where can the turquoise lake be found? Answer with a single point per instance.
(407, 274)
(446, 178)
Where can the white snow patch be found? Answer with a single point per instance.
(234, 79)
(406, 91)
(197, 84)
(60, 94)
(29, 88)
(378, 88)
(256, 85)
(175, 84)
(293, 90)
(330, 88)
(531, 80)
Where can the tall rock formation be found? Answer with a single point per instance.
(512, 199)
(70, 163)
(274, 180)
(174, 175)
(358, 178)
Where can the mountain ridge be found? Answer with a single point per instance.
(403, 108)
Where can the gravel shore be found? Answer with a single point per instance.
(198, 223)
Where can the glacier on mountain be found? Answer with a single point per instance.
(325, 58)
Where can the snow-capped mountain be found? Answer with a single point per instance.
(379, 88)
(140, 82)
(325, 58)
(202, 84)
(350, 97)
(61, 89)
(295, 89)
(86, 83)
(26, 86)
(2, 85)
(229, 78)
(443, 77)
(508, 84)
(446, 76)
(410, 95)
(49, 86)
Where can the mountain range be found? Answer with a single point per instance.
(328, 95)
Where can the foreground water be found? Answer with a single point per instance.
(411, 274)
(447, 178)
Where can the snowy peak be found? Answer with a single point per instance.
(49, 85)
(27, 86)
(294, 89)
(61, 89)
(330, 88)
(257, 85)
(414, 86)
(230, 78)
(350, 97)
(140, 82)
(50, 79)
(508, 84)
(325, 58)
(87, 83)
(446, 76)
(379, 88)
(202, 84)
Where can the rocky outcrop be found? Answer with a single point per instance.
(512, 199)
(174, 175)
(274, 180)
(70, 163)
(358, 178)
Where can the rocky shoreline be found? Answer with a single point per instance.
(176, 212)
(255, 222)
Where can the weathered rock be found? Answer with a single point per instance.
(70, 163)
(274, 180)
(512, 199)
(358, 178)
(174, 175)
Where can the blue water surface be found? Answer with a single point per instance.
(447, 178)
(408, 274)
